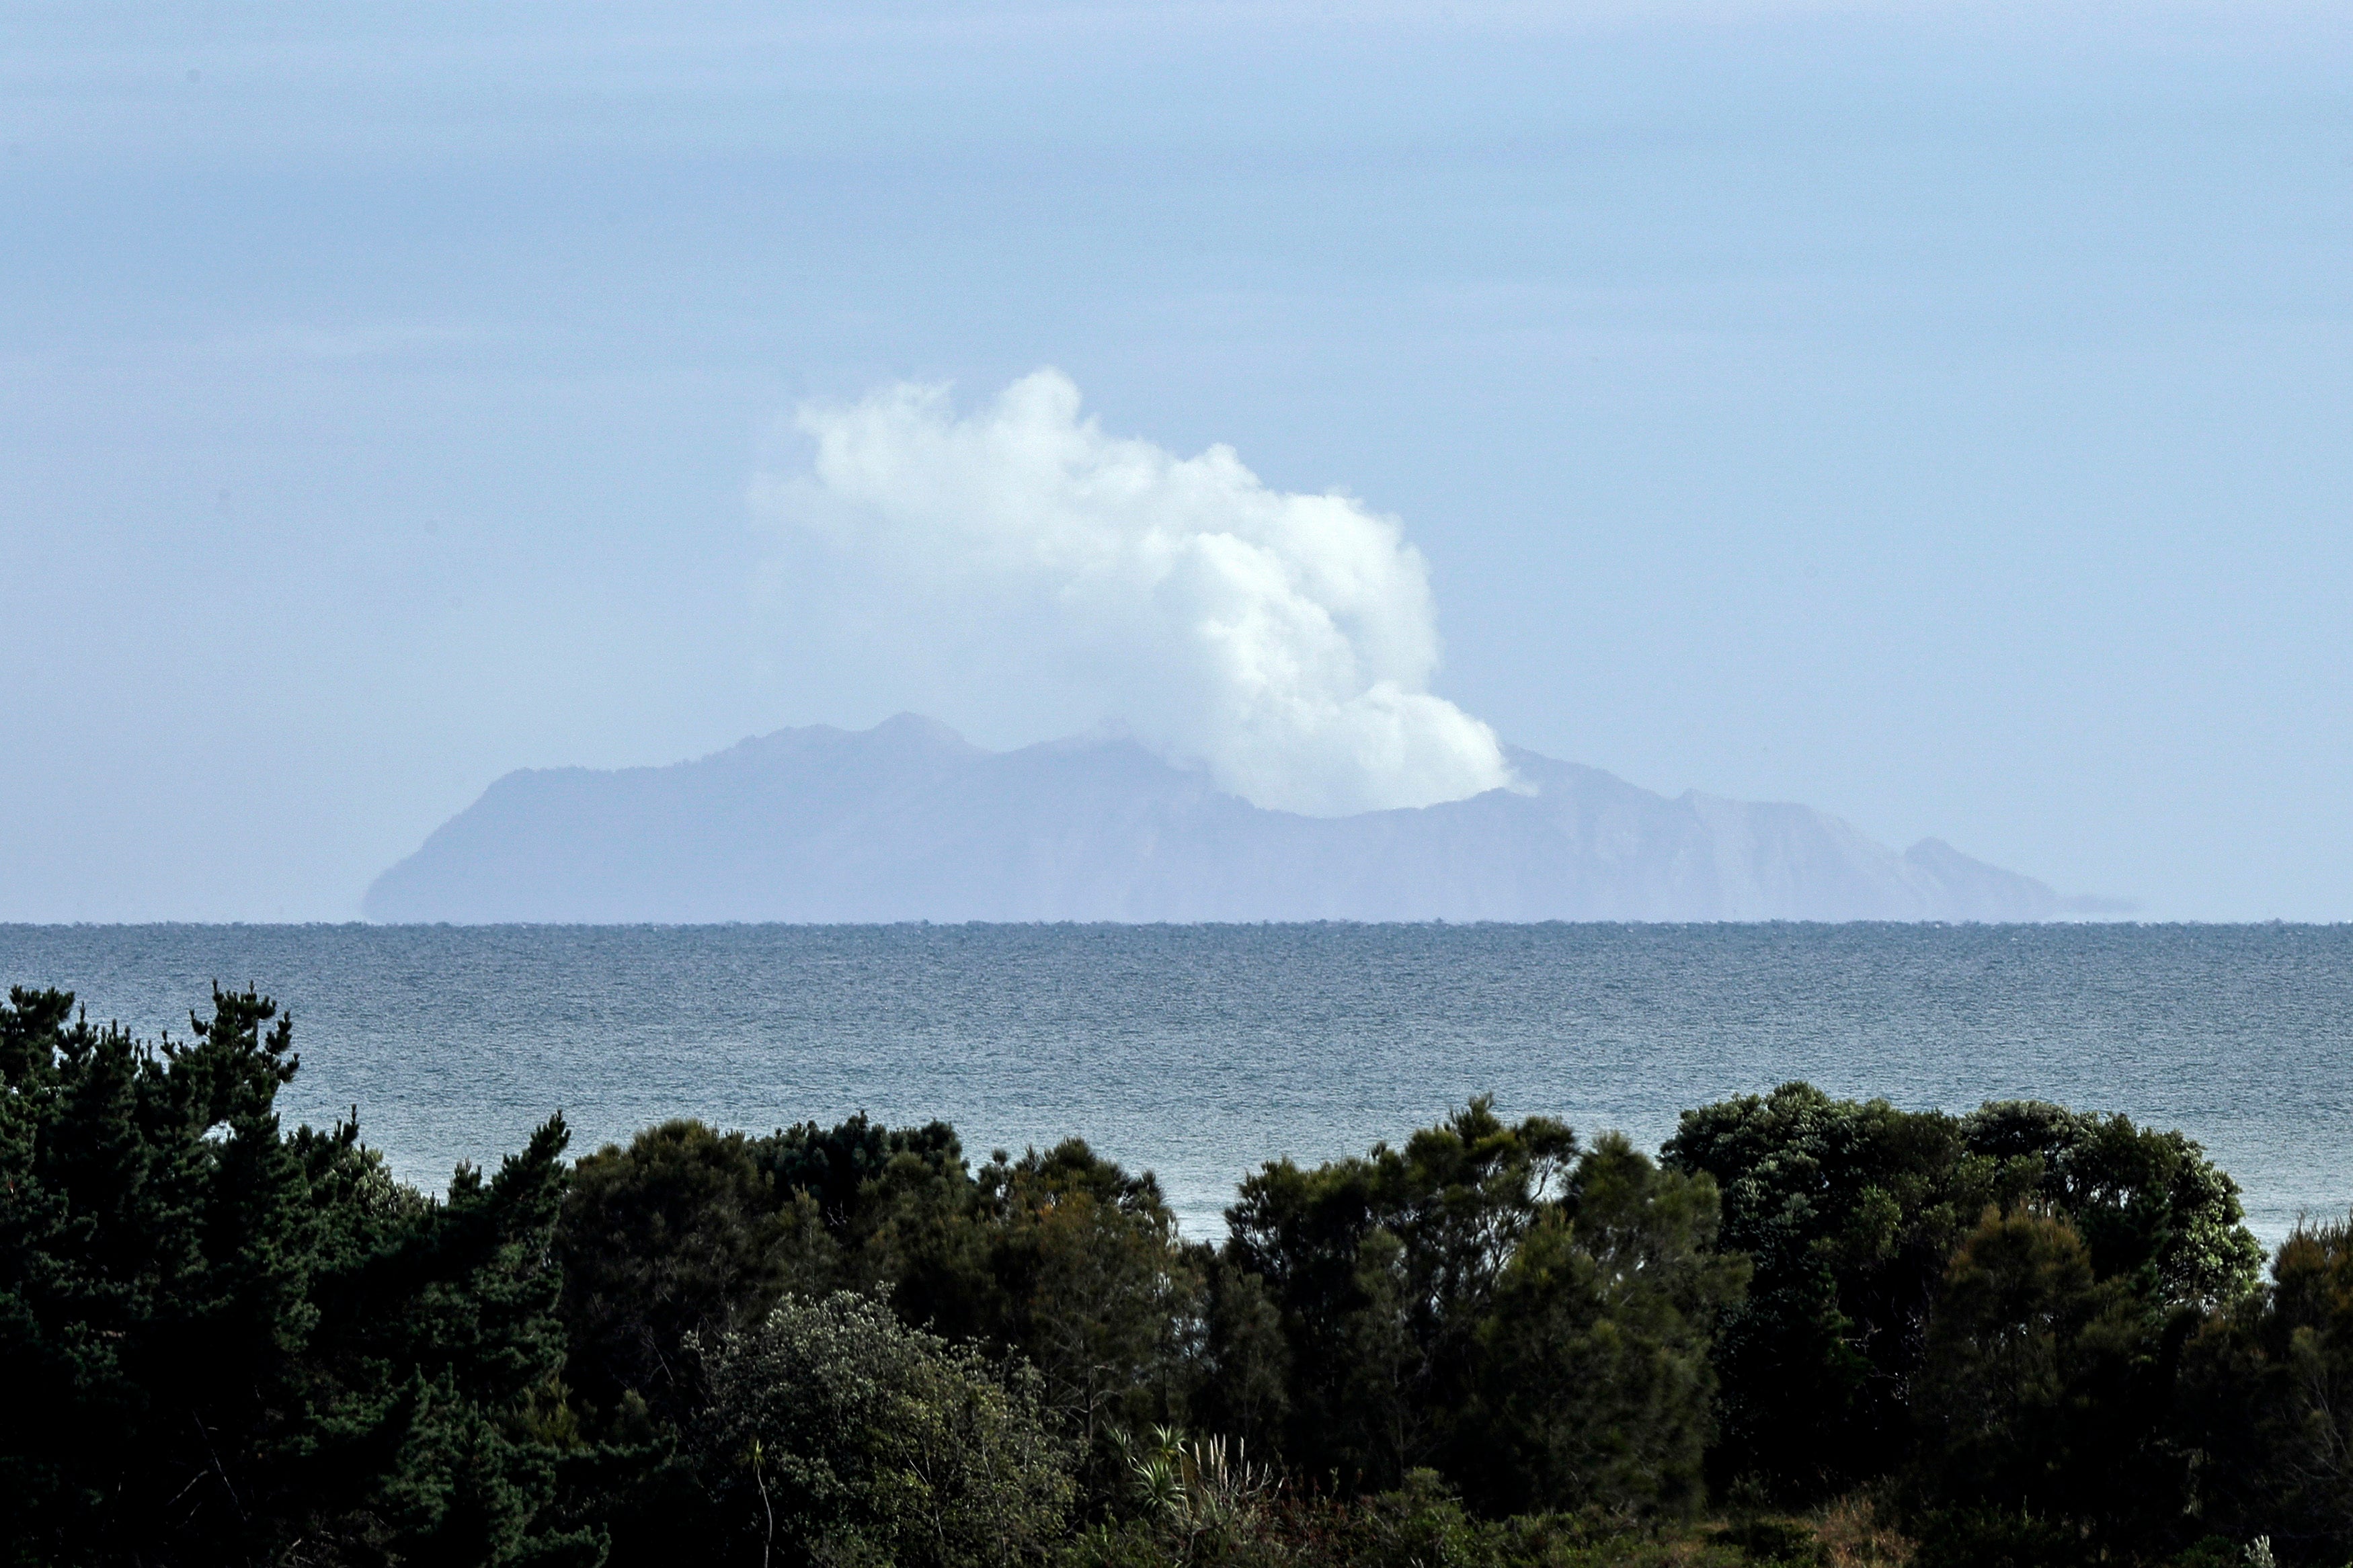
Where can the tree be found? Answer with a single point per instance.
(2043, 1401)
(1060, 1256)
(843, 1437)
(686, 1232)
(1241, 1361)
(678, 1234)
(2268, 1400)
(1532, 1323)
(1849, 1212)
(1382, 1267)
(230, 1344)
(1090, 1284)
(1853, 1212)
(1594, 1381)
(2150, 1207)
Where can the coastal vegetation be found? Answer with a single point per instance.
(1810, 1330)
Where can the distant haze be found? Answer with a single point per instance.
(1935, 414)
(908, 821)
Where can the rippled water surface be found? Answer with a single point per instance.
(1198, 1051)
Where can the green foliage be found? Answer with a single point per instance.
(1198, 1497)
(2150, 1207)
(676, 1236)
(1766, 1539)
(1241, 1362)
(1088, 1283)
(229, 1344)
(1381, 1268)
(1847, 1211)
(1532, 1323)
(1851, 1210)
(2037, 1334)
(2000, 1538)
(843, 1437)
(1595, 1386)
(2043, 1402)
(2268, 1388)
(1061, 1258)
(841, 1167)
(1420, 1525)
(1482, 1299)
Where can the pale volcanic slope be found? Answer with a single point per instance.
(908, 821)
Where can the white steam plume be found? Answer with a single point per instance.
(1285, 643)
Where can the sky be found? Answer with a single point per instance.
(1935, 414)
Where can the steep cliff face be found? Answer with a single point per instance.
(908, 821)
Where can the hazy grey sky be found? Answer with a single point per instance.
(1935, 413)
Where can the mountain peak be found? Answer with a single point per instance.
(913, 728)
(910, 821)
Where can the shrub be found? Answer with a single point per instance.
(841, 1435)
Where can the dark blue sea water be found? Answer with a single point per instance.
(1198, 1051)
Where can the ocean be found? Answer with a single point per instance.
(1199, 1051)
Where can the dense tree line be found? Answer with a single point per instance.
(2024, 1335)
